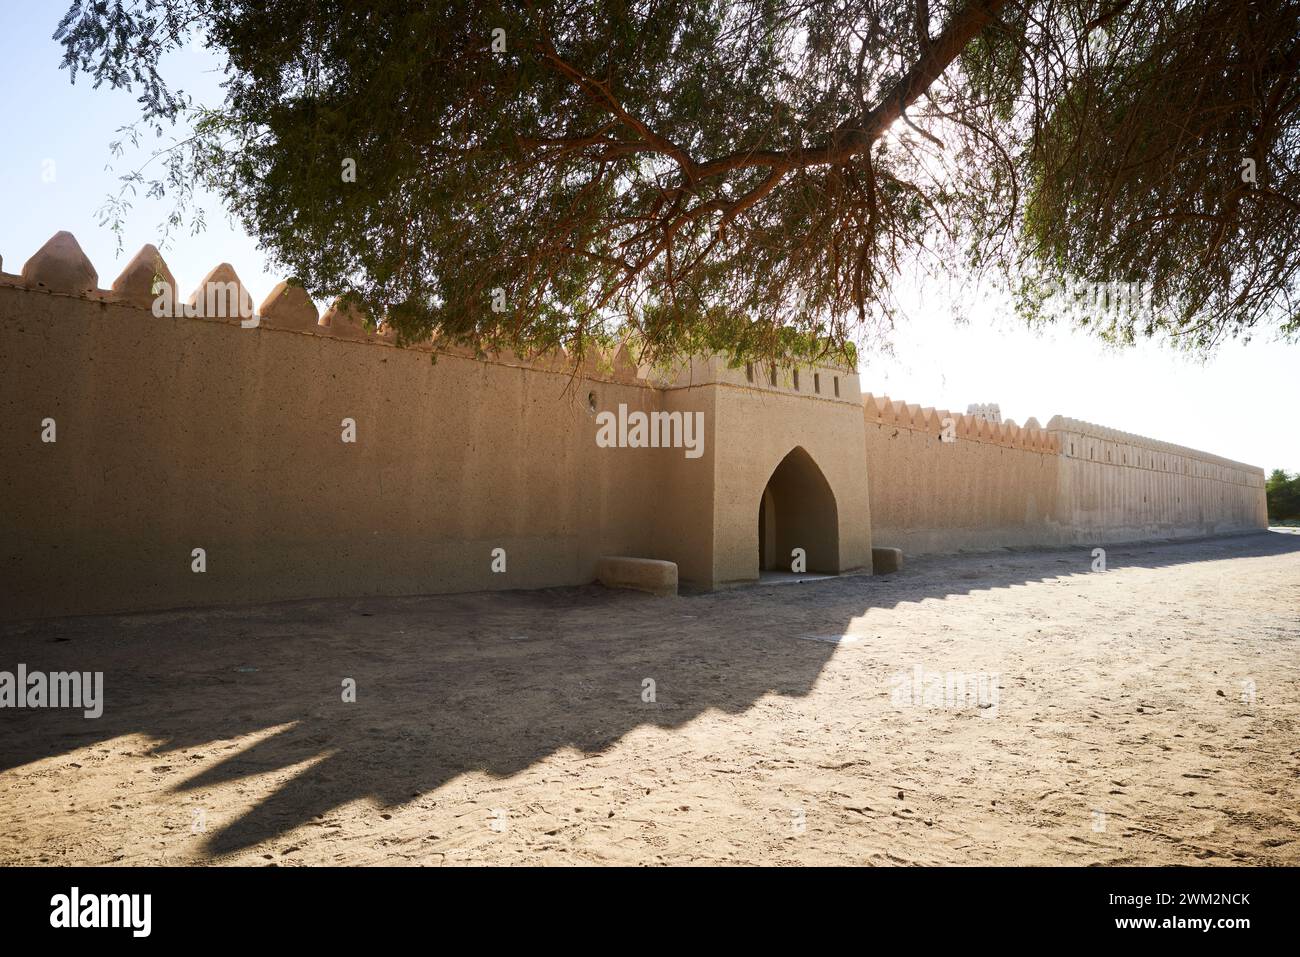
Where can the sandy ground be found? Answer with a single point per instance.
(1144, 715)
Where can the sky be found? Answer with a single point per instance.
(1239, 404)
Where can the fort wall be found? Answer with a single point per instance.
(1071, 483)
(989, 486)
(1121, 487)
(198, 431)
(176, 434)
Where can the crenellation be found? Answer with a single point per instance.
(1140, 452)
(625, 364)
(222, 296)
(289, 307)
(61, 266)
(342, 320)
(140, 281)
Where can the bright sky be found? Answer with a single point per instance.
(1240, 404)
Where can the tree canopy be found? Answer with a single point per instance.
(1283, 494)
(743, 176)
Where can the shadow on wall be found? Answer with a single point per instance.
(454, 684)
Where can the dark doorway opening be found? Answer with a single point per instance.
(797, 510)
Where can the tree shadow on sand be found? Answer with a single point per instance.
(490, 682)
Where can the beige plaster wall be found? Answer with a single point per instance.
(682, 501)
(1070, 483)
(930, 496)
(182, 433)
(1122, 487)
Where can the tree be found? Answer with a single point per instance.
(745, 176)
(1283, 494)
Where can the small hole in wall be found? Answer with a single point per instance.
(837, 387)
(817, 382)
(795, 373)
(749, 371)
(591, 401)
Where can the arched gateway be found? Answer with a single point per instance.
(797, 510)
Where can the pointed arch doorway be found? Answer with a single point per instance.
(797, 510)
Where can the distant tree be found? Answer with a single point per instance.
(739, 175)
(1283, 492)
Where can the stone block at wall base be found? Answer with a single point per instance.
(641, 574)
(886, 560)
